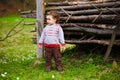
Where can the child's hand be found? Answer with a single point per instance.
(40, 45)
(63, 47)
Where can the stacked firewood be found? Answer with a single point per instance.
(87, 22)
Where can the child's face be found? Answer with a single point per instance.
(50, 19)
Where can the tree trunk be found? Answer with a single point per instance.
(39, 24)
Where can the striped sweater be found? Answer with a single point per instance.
(52, 36)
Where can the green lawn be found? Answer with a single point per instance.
(18, 57)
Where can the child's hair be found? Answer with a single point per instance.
(54, 14)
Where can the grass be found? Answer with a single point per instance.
(18, 55)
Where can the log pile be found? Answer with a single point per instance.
(86, 22)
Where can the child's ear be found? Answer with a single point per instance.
(55, 20)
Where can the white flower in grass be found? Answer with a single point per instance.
(53, 76)
(3, 75)
(17, 78)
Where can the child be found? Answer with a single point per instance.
(52, 36)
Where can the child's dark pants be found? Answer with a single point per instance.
(53, 52)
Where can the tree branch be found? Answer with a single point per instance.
(10, 31)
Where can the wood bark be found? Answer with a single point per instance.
(105, 42)
(87, 6)
(32, 14)
(89, 25)
(39, 25)
(111, 42)
(27, 12)
(91, 11)
(75, 3)
(90, 30)
(91, 18)
(113, 37)
(102, 42)
(29, 15)
(69, 33)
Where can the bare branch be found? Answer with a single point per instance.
(11, 30)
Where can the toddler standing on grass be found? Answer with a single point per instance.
(52, 36)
